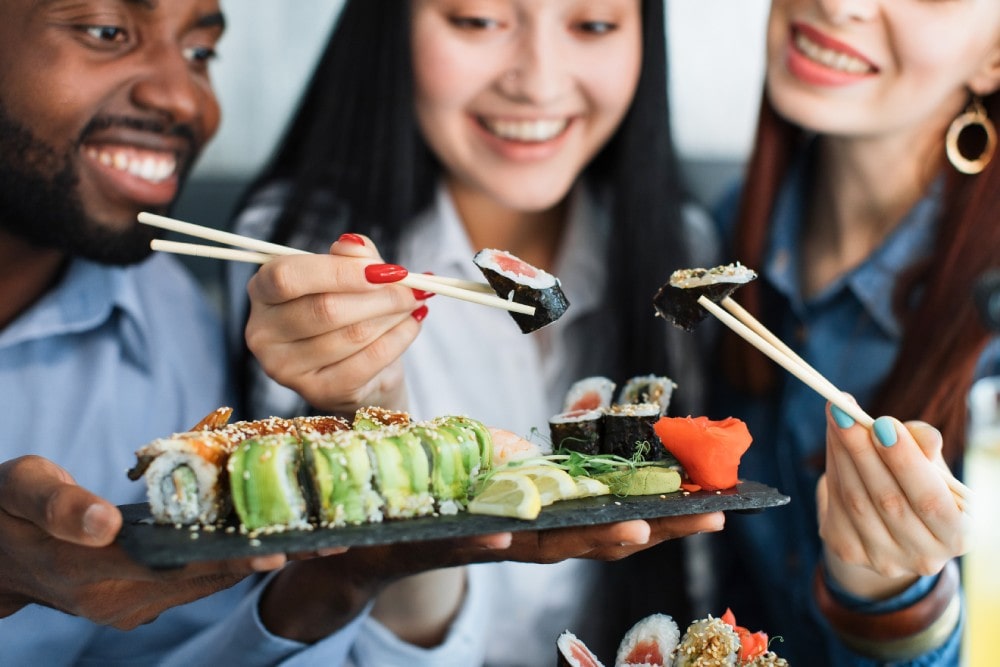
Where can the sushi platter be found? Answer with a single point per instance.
(166, 546)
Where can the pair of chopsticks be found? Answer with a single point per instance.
(751, 330)
(255, 251)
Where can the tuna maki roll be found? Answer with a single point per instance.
(264, 481)
(677, 301)
(649, 643)
(578, 430)
(518, 281)
(593, 393)
(574, 653)
(648, 389)
(628, 431)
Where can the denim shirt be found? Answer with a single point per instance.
(849, 332)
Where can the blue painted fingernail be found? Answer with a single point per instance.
(842, 418)
(885, 431)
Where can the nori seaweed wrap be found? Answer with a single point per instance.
(628, 429)
(578, 430)
(677, 300)
(518, 281)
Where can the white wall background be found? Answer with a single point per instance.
(716, 51)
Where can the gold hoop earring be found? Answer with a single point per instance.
(974, 115)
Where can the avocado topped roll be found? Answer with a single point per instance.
(448, 459)
(339, 473)
(373, 418)
(481, 437)
(264, 480)
(402, 473)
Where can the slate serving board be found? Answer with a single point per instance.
(162, 546)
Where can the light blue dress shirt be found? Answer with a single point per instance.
(108, 360)
(850, 334)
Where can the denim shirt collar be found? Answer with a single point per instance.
(873, 281)
(87, 297)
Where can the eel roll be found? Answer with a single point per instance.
(516, 280)
(402, 473)
(649, 643)
(320, 425)
(373, 418)
(574, 653)
(264, 481)
(677, 300)
(186, 477)
(339, 473)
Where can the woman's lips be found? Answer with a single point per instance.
(820, 60)
(524, 140)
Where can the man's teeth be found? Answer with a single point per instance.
(830, 58)
(150, 168)
(526, 130)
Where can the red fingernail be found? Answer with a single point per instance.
(421, 295)
(420, 313)
(351, 238)
(384, 273)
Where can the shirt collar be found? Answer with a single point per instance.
(438, 238)
(873, 281)
(87, 297)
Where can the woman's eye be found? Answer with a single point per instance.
(597, 27)
(106, 33)
(474, 22)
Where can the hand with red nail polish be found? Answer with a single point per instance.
(334, 327)
(380, 274)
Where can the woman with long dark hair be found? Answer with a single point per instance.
(431, 130)
(869, 207)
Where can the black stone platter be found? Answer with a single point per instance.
(162, 546)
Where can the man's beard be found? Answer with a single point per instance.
(39, 202)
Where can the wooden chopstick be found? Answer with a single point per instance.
(260, 252)
(754, 332)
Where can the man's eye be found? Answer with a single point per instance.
(200, 54)
(106, 33)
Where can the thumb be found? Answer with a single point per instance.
(39, 491)
(927, 437)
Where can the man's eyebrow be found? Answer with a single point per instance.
(214, 20)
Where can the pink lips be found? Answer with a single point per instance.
(815, 73)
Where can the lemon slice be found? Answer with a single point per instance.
(508, 494)
(553, 483)
(587, 487)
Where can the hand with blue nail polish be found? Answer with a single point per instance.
(886, 514)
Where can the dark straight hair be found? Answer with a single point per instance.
(943, 333)
(355, 137)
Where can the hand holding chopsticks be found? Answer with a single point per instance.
(246, 249)
(754, 332)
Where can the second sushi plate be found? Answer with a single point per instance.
(163, 546)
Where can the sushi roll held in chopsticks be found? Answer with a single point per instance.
(677, 301)
(518, 281)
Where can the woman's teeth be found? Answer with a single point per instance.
(526, 130)
(830, 58)
(153, 168)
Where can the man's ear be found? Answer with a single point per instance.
(986, 79)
